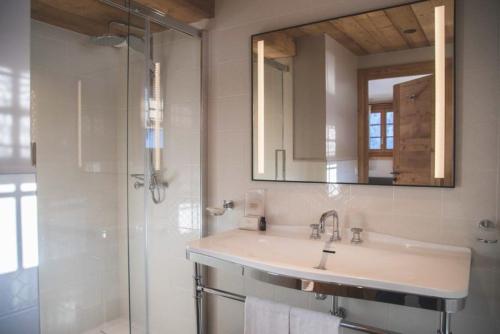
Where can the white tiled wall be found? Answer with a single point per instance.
(438, 215)
(79, 222)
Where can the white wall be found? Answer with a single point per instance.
(309, 100)
(380, 167)
(341, 103)
(440, 215)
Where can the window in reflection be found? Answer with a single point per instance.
(189, 216)
(28, 186)
(381, 129)
(5, 87)
(24, 91)
(331, 172)
(331, 145)
(18, 208)
(6, 121)
(7, 188)
(389, 130)
(8, 235)
(29, 230)
(24, 137)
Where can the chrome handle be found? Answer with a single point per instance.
(33, 153)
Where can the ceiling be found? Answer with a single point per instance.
(91, 17)
(398, 28)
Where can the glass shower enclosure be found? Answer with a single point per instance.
(117, 122)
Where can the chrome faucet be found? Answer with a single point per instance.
(335, 225)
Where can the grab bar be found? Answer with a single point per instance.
(343, 323)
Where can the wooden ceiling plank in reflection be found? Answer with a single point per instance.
(183, 10)
(350, 27)
(424, 11)
(276, 45)
(449, 14)
(342, 38)
(382, 29)
(88, 17)
(405, 20)
(92, 17)
(90, 9)
(312, 29)
(294, 32)
(67, 20)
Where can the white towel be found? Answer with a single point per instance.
(310, 322)
(265, 317)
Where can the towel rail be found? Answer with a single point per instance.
(344, 323)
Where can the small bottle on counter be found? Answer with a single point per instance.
(262, 223)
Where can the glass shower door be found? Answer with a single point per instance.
(164, 158)
(78, 111)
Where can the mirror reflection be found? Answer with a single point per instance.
(366, 98)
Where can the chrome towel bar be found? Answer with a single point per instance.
(343, 323)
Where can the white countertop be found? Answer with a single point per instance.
(380, 262)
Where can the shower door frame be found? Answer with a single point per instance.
(166, 21)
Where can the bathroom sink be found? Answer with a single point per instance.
(381, 262)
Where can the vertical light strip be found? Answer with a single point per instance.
(439, 57)
(260, 107)
(157, 118)
(79, 122)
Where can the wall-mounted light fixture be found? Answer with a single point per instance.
(260, 107)
(157, 118)
(439, 123)
(79, 122)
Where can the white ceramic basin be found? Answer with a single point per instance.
(380, 262)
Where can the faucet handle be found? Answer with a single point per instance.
(356, 235)
(314, 232)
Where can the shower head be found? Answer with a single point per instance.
(119, 38)
(135, 43)
(109, 40)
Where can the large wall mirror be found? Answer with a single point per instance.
(366, 98)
